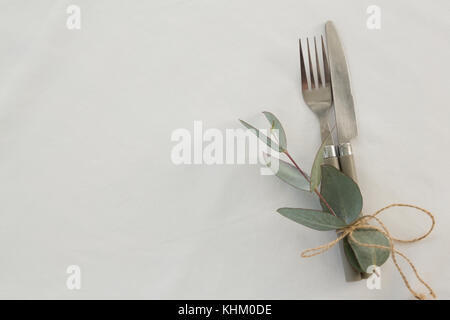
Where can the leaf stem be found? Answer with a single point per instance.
(309, 180)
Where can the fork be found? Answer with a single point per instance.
(318, 96)
(319, 99)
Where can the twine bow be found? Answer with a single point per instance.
(361, 223)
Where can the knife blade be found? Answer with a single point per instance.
(343, 100)
(342, 92)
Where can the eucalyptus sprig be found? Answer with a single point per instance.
(282, 148)
(339, 196)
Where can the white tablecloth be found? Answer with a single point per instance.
(86, 118)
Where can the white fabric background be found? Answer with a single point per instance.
(85, 123)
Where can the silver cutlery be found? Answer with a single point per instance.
(345, 118)
(334, 89)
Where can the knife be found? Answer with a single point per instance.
(343, 101)
(345, 119)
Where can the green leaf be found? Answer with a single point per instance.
(276, 124)
(314, 219)
(316, 172)
(350, 254)
(262, 137)
(341, 193)
(366, 256)
(289, 174)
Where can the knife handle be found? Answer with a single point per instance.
(351, 275)
(330, 156)
(346, 160)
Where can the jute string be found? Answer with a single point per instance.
(361, 223)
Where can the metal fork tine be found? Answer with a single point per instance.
(318, 97)
(313, 82)
(302, 67)
(326, 68)
(311, 72)
(319, 76)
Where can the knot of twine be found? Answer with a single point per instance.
(361, 223)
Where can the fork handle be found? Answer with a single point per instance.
(347, 165)
(330, 156)
(346, 160)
